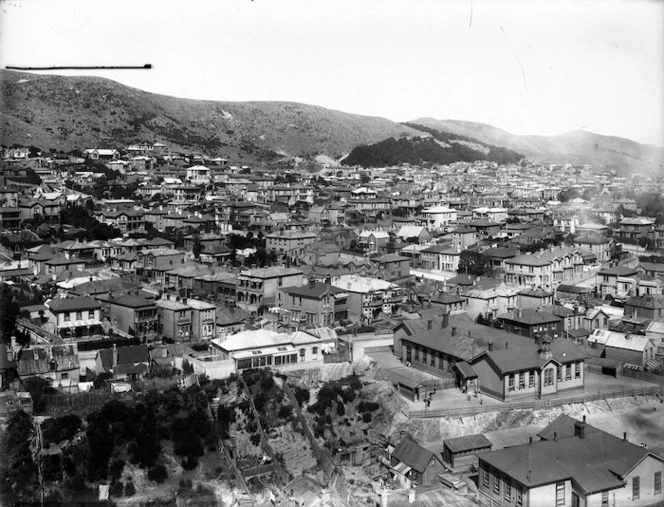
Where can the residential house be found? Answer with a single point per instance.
(124, 363)
(368, 297)
(648, 306)
(154, 263)
(58, 364)
(174, 319)
(440, 258)
(203, 319)
(490, 298)
(315, 304)
(413, 234)
(75, 317)
(290, 244)
(373, 241)
(410, 465)
(532, 322)
(392, 267)
(439, 217)
(607, 281)
(134, 315)
(535, 297)
(259, 286)
(462, 452)
(230, 320)
(546, 269)
(598, 245)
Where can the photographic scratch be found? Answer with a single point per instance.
(470, 22)
(523, 71)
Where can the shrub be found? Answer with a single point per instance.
(285, 412)
(189, 463)
(57, 429)
(340, 409)
(301, 395)
(116, 469)
(366, 417)
(158, 474)
(130, 489)
(367, 406)
(255, 439)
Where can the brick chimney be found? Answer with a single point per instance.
(580, 428)
(454, 331)
(429, 324)
(490, 346)
(446, 320)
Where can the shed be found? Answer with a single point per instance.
(462, 452)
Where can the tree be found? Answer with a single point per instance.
(474, 263)
(197, 246)
(18, 471)
(9, 310)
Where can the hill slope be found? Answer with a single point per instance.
(579, 147)
(76, 112)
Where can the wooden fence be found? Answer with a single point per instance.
(532, 405)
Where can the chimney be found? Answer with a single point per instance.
(490, 346)
(507, 345)
(429, 324)
(625, 436)
(115, 355)
(446, 320)
(454, 331)
(580, 428)
(555, 436)
(530, 440)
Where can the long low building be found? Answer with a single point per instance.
(284, 351)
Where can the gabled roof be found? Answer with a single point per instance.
(597, 462)
(529, 317)
(133, 354)
(73, 304)
(468, 443)
(411, 453)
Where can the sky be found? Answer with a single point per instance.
(528, 67)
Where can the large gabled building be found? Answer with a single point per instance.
(573, 465)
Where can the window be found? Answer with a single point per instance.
(432, 359)
(64, 376)
(314, 352)
(91, 314)
(301, 355)
(560, 493)
(522, 381)
(658, 483)
(485, 477)
(636, 487)
(511, 383)
(531, 379)
(568, 372)
(548, 377)
(496, 483)
(66, 317)
(508, 489)
(280, 281)
(559, 373)
(577, 370)
(519, 496)
(79, 315)
(605, 499)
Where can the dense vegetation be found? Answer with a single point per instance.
(441, 148)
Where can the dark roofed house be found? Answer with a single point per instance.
(412, 465)
(532, 322)
(575, 464)
(125, 363)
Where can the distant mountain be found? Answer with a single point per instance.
(432, 147)
(579, 147)
(68, 113)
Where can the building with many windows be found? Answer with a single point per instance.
(575, 464)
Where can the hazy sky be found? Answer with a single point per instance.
(527, 67)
